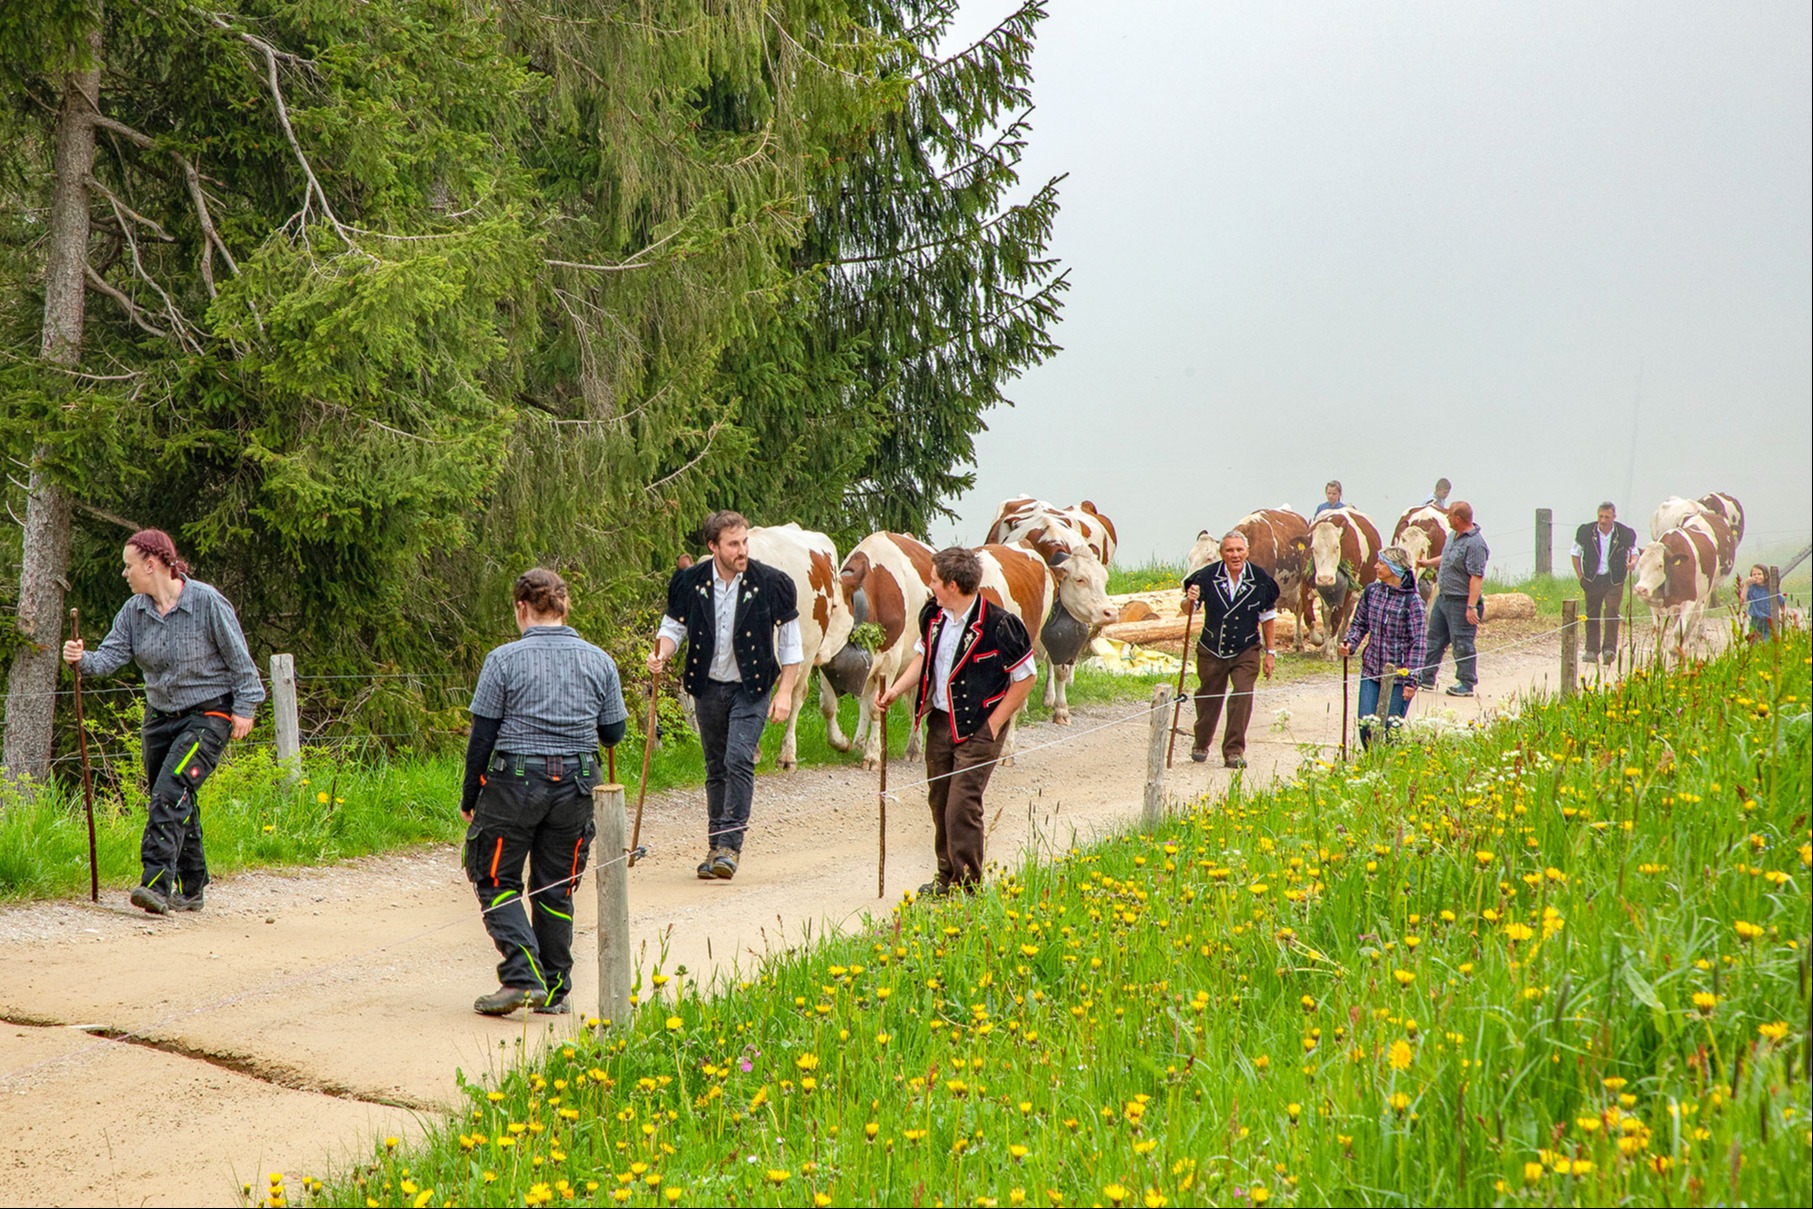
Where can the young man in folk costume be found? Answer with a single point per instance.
(974, 668)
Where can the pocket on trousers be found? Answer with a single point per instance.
(483, 850)
(197, 751)
(582, 850)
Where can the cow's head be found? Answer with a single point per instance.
(1206, 550)
(1650, 579)
(1083, 587)
(1325, 552)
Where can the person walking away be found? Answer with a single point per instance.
(1332, 492)
(1454, 617)
(1604, 552)
(542, 707)
(740, 623)
(201, 689)
(1759, 603)
(979, 672)
(1239, 608)
(1390, 619)
(1439, 501)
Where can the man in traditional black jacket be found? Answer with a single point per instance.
(740, 623)
(1239, 607)
(973, 666)
(1604, 552)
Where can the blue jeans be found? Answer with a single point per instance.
(1395, 704)
(731, 719)
(1448, 624)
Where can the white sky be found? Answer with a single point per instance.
(1387, 242)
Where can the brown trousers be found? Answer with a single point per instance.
(1601, 610)
(1213, 676)
(959, 773)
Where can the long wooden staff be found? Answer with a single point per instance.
(881, 866)
(94, 868)
(1344, 709)
(648, 750)
(1183, 661)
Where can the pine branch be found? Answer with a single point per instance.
(120, 208)
(623, 266)
(211, 239)
(178, 324)
(99, 283)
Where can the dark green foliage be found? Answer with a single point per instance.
(498, 285)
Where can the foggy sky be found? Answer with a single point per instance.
(1556, 252)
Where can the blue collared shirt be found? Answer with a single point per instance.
(194, 653)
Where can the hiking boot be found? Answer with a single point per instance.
(150, 899)
(1199, 756)
(186, 902)
(724, 866)
(935, 889)
(557, 1007)
(1460, 690)
(1237, 762)
(504, 1000)
(705, 873)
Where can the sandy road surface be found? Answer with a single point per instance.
(305, 1012)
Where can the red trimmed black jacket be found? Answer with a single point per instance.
(993, 644)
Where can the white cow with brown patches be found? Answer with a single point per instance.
(1423, 533)
(1675, 576)
(1343, 547)
(886, 580)
(809, 559)
(1023, 517)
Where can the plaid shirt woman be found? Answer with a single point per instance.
(1390, 617)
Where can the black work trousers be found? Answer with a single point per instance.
(181, 748)
(1601, 593)
(542, 816)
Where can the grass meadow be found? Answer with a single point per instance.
(1562, 960)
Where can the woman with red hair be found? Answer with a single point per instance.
(200, 688)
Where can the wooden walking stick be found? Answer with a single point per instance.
(881, 867)
(648, 750)
(1183, 661)
(94, 869)
(1344, 709)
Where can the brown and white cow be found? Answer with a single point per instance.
(1423, 533)
(1675, 576)
(1273, 543)
(1342, 552)
(1671, 513)
(809, 559)
(1022, 518)
(1727, 509)
(886, 580)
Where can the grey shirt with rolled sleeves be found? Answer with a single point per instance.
(1463, 557)
(950, 636)
(553, 690)
(788, 647)
(193, 654)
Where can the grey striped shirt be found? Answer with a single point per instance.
(194, 653)
(553, 689)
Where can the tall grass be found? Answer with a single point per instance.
(1563, 960)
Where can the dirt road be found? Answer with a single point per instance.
(305, 1013)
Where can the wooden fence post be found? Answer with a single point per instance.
(1155, 757)
(283, 712)
(1570, 647)
(1545, 542)
(613, 906)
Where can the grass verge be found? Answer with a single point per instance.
(1563, 960)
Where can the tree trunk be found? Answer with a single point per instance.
(44, 557)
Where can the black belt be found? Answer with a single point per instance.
(219, 705)
(555, 767)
